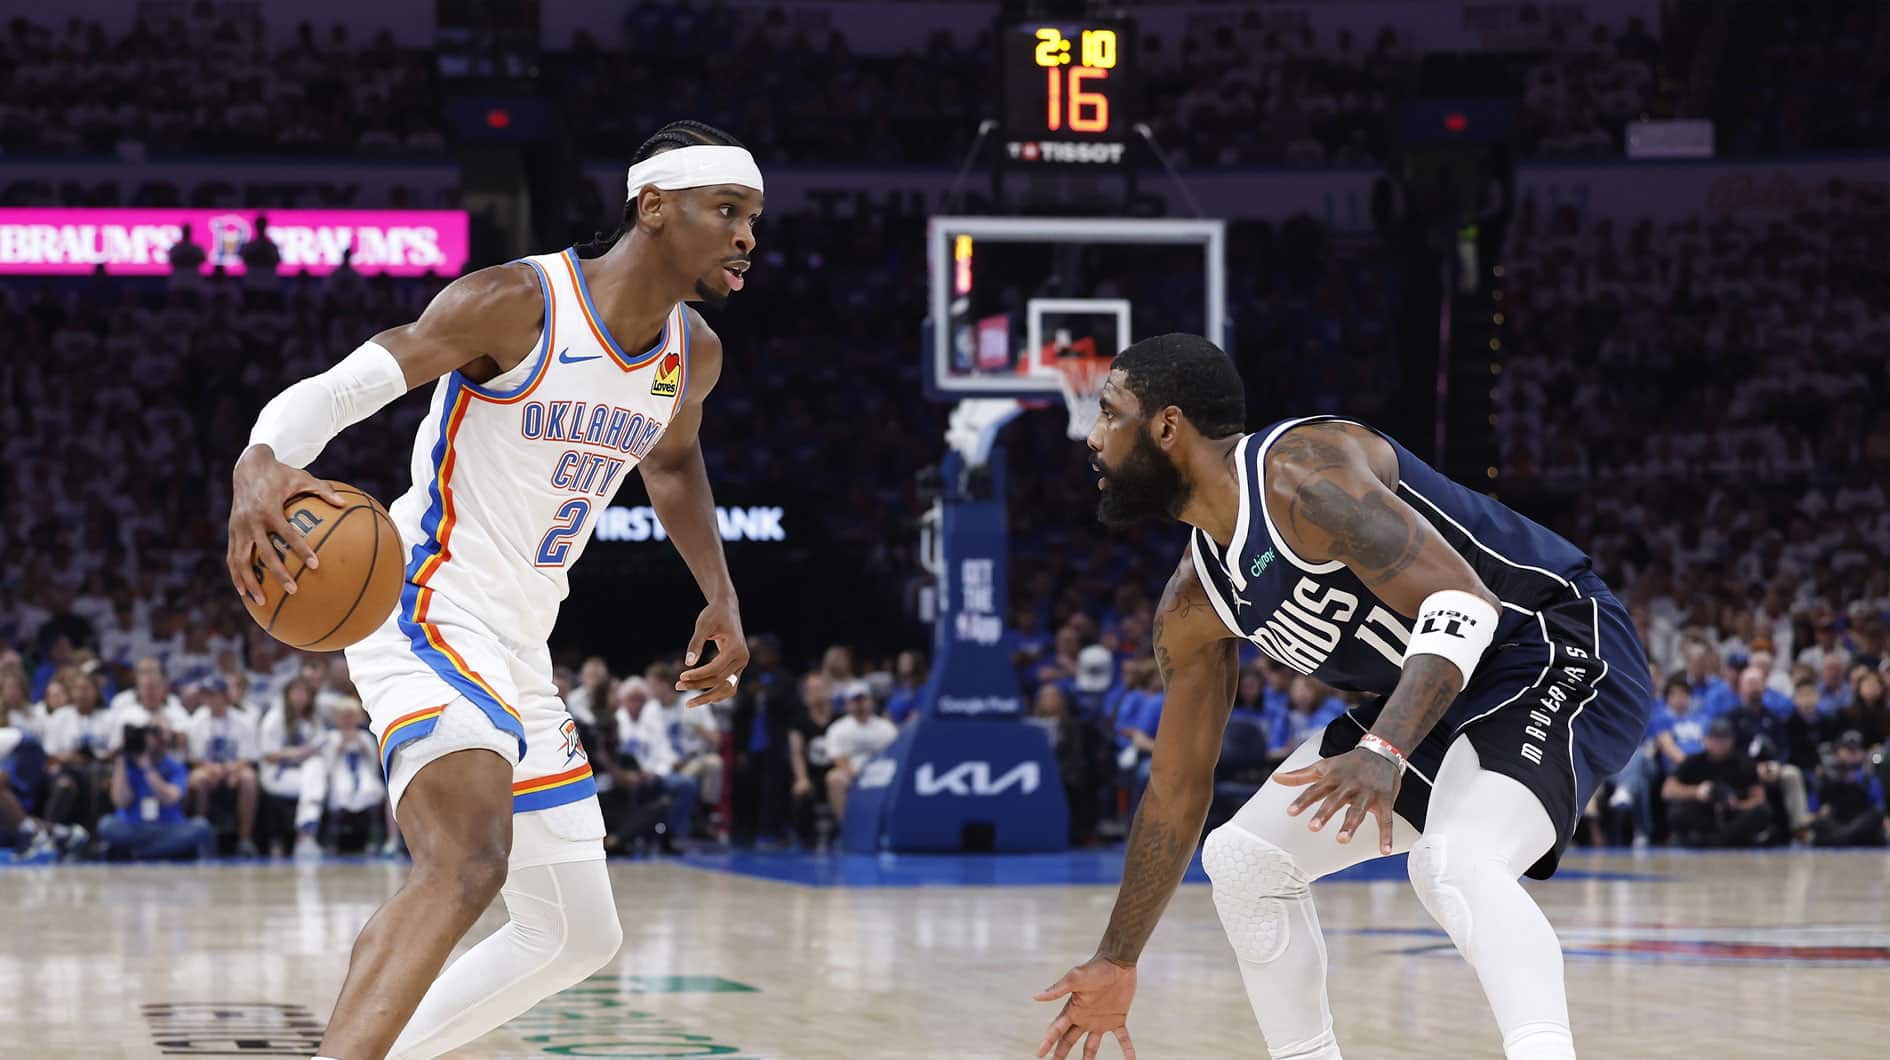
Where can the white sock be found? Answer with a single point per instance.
(1545, 1041)
(1483, 831)
(563, 927)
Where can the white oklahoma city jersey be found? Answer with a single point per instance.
(507, 478)
(509, 475)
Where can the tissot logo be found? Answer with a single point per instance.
(974, 779)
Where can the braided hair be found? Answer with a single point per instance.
(668, 138)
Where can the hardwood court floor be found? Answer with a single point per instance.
(1669, 955)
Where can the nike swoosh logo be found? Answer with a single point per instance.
(564, 357)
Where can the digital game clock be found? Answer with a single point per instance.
(1069, 92)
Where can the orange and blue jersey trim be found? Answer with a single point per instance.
(596, 323)
(405, 728)
(682, 385)
(542, 793)
(519, 392)
(429, 645)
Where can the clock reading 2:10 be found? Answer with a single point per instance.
(1089, 111)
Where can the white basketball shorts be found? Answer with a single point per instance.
(448, 684)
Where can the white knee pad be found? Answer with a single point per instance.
(563, 927)
(1256, 884)
(1437, 883)
(569, 915)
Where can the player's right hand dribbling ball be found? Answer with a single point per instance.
(353, 590)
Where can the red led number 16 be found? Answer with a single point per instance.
(1097, 117)
(1088, 111)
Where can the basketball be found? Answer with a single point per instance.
(353, 589)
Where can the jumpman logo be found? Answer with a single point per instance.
(564, 357)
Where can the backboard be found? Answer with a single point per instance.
(1010, 295)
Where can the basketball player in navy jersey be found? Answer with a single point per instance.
(1508, 679)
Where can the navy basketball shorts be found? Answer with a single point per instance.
(1559, 712)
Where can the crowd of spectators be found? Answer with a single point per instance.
(1780, 562)
(1771, 78)
(1824, 81)
(1233, 91)
(1580, 93)
(799, 94)
(267, 752)
(209, 81)
(1225, 92)
(1242, 90)
(1735, 761)
(1246, 94)
(1721, 381)
(126, 562)
(1710, 401)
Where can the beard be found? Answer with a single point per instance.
(711, 297)
(1147, 485)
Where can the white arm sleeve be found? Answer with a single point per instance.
(301, 420)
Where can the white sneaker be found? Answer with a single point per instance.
(1620, 800)
(307, 848)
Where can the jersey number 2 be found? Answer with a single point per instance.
(557, 543)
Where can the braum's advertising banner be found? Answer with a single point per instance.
(133, 242)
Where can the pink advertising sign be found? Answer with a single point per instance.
(134, 242)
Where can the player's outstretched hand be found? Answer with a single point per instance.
(259, 533)
(1100, 992)
(1358, 782)
(716, 680)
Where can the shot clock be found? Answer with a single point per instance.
(1069, 90)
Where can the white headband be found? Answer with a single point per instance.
(695, 167)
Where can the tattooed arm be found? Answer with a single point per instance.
(1199, 670)
(1330, 493)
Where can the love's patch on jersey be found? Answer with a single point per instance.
(668, 375)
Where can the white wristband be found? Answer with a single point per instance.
(1455, 625)
(301, 420)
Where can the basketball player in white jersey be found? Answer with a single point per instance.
(556, 376)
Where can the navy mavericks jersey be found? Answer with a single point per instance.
(1322, 620)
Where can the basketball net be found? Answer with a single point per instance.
(1081, 379)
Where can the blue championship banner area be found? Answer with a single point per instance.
(948, 785)
(968, 774)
